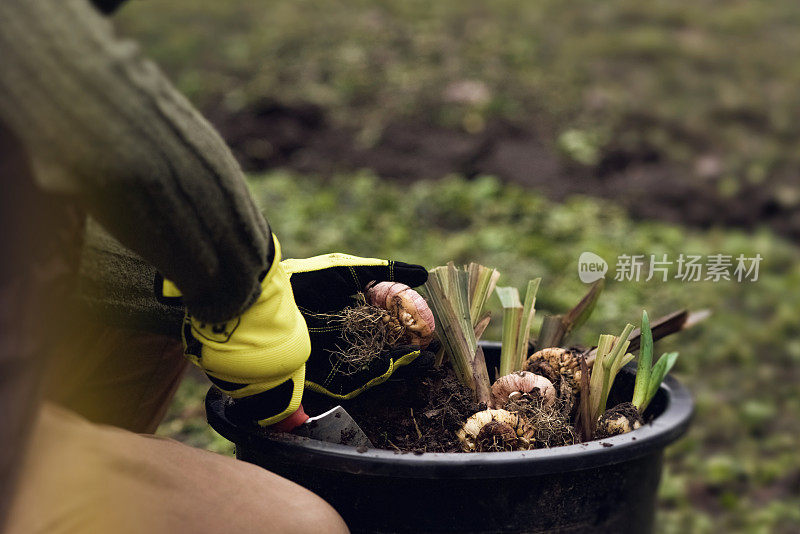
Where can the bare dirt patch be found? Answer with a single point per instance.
(645, 181)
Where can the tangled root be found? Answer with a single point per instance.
(366, 332)
(547, 426)
(497, 437)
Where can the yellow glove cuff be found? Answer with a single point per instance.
(264, 346)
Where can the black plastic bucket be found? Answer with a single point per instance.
(602, 486)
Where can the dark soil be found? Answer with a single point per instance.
(421, 408)
(646, 182)
(423, 412)
(410, 414)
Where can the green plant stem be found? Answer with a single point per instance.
(608, 380)
(620, 347)
(528, 313)
(517, 324)
(482, 281)
(644, 365)
(448, 290)
(597, 377)
(606, 366)
(512, 315)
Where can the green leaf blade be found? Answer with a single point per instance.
(645, 363)
(524, 334)
(660, 370)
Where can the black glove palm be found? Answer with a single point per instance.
(327, 284)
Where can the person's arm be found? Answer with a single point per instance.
(103, 124)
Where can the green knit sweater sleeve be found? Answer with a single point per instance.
(103, 124)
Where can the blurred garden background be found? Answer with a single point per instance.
(520, 135)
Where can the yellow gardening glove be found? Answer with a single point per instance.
(258, 356)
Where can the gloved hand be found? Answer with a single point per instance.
(327, 284)
(259, 358)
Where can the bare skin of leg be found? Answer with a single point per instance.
(81, 477)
